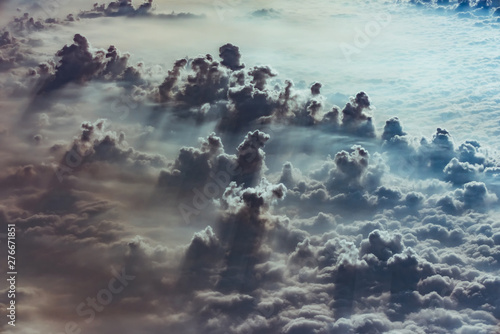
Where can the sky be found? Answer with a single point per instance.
(236, 166)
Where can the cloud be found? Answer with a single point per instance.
(25, 23)
(290, 214)
(484, 10)
(193, 166)
(355, 119)
(242, 230)
(242, 98)
(206, 82)
(125, 8)
(268, 13)
(15, 52)
(97, 144)
(230, 55)
(79, 63)
(199, 176)
(392, 129)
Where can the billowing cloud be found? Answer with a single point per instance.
(289, 214)
(126, 8)
(78, 64)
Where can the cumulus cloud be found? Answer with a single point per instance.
(126, 8)
(354, 116)
(79, 63)
(325, 226)
(242, 98)
(230, 55)
(438, 156)
(15, 51)
(195, 168)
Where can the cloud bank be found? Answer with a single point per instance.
(220, 197)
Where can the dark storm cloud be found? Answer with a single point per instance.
(308, 110)
(246, 104)
(250, 157)
(242, 98)
(117, 67)
(260, 75)
(79, 63)
(354, 118)
(315, 88)
(126, 8)
(204, 81)
(117, 8)
(382, 245)
(209, 169)
(76, 64)
(208, 83)
(219, 267)
(231, 55)
(165, 89)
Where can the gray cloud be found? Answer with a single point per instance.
(78, 63)
(126, 8)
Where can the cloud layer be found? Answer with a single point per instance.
(218, 196)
